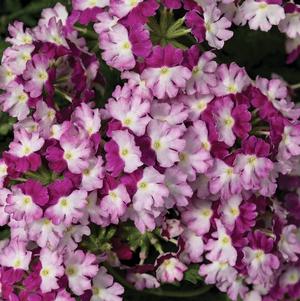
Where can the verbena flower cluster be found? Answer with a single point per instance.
(189, 162)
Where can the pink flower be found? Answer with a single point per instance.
(132, 114)
(122, 153)
(232, 79)
(291, 23)
(223, 179)
(18, 35)
(216, 27)
(262, 14)
(231, 121)
(290, 144)
(68, 208)
(174, 113)
(25, 143)
(166, 142)
(193, 247)
(92, 210)
(80, 267)
(137, 85)
(197, 216)
(17, 57)
(260, 262)
(164, 75)
(92, 176)
(4, 217)
(45, 116)
(76, 151)
(63, 295)
(51, 270)
(105, 22)
(151, 190)
(16, 256)
(86, 4)
(179, 190)
(221, 249)
(253, 166)
(3, 172)
(7, 76)
(195, 157)
(117, 48)
(45, 233)
(142, 281)
(171, 270)
(87, 118)
(114, 204)
(289, 244)
(203, 71)
(104, 288)
(217, 272)
(36, 75)
(197, 104)
(24, 200)
(121, 8)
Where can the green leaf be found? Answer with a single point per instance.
(192, 274)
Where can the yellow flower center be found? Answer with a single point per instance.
(229, 121)
(143, 185)
(64, 202)
(164, 70)
(126, 45)
(125, 152)
(251, 160)
(45, 272)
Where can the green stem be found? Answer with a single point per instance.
(296, 86)
(159, 291)
(86, 32)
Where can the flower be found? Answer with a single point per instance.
(114, 204)
(164, 75)
(262, 14)
(51, 270)
(151, 190)
(117, 48)
(197, 216)
(122, 153)
(132, 114)
(104, 288)
(216, 27)
(79, 268)
(16, 256)
(171, 270)
(68, 208)
(166, 142)
(24, 201)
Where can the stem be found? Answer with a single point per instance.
(296, 86)
(158, 291)
(86, 32)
